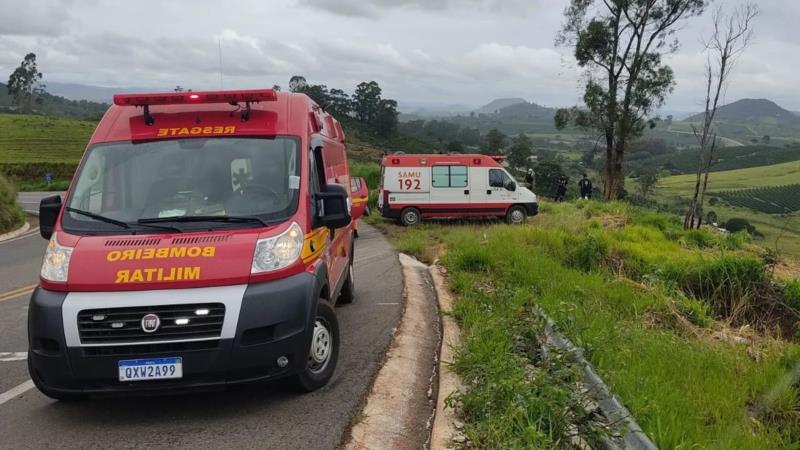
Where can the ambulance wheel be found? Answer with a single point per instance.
(348, 293)
(410, 217)
(60, 396)
(324, 350)
(516, 215)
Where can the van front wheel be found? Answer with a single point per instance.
(516, 215)
(410, 217)
(324, 350)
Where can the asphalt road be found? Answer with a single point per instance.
(269, 415)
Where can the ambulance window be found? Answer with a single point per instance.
(498, 178)
(449, 176)
(458, 176)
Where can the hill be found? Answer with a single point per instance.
(498, 104)
(530, 111)
(749, 109)
(54, 105)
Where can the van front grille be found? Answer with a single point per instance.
(176, 322)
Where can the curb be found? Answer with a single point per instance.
(12, 234)
(445, 424)
(400, 404)
(631, 436)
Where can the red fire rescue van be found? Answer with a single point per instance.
(204, 241)
(416, 187)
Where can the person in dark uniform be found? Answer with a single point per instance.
(561, 188)
(529, 178)
(585, 187)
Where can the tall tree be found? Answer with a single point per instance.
(495, 141)
(339, 103)
(385, 122)
(620, 44)
(25, 83)
(730, 36)
(366, 101)
(520, 152)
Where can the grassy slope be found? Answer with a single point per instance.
(27, 139)
(677, 189)
(686, 388)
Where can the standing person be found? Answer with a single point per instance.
(529, 178)
(585, 187)
(561, 189)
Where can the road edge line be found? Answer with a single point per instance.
(16, 391)
(14, 233)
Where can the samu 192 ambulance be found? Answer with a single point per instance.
(204, 241)
(417, 187)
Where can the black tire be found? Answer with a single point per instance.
(60, 396)
(516, 215)
(348, 293)
(410, 217)
(321, 363)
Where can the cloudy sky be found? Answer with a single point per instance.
(432, 51)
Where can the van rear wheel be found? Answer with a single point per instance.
(348, 293)
(410, 217)
(324, 350)
(516, 215)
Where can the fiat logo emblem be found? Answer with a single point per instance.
(150, 323)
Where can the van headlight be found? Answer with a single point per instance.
(55, 266)
(279, 251)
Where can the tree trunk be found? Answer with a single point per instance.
(614, 181)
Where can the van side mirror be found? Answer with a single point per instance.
(333, 207)
(49, 208)
(511, 186)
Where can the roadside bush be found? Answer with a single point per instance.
(11, 215)
(730, 284)
(737, 224)
(589, 254)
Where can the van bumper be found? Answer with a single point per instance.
(275, 320)
(532, 208)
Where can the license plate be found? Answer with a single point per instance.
(150, 369)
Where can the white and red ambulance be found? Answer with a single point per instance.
(416, 187)
(204, 241)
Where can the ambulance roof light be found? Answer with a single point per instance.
(188, 98)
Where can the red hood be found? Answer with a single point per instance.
(161, 261)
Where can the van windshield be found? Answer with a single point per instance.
(195, 183)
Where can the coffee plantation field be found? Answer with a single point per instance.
(41, 139)
(770, 200)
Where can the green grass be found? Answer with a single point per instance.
(31, 139)
(685, 388)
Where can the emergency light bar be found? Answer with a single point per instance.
(188, 98)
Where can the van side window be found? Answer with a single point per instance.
(498, 178)
(449, 176)
(313, 185)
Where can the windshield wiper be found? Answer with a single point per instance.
(98, 217)
(116, 222)
(227, 219)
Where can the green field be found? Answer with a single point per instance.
(643, 298)
(781, 232)
(770, 200)
(42, 139)
(754, 177)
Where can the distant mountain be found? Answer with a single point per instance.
(498, 104)
(751, 110)
(54, 105)
(526, 111)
